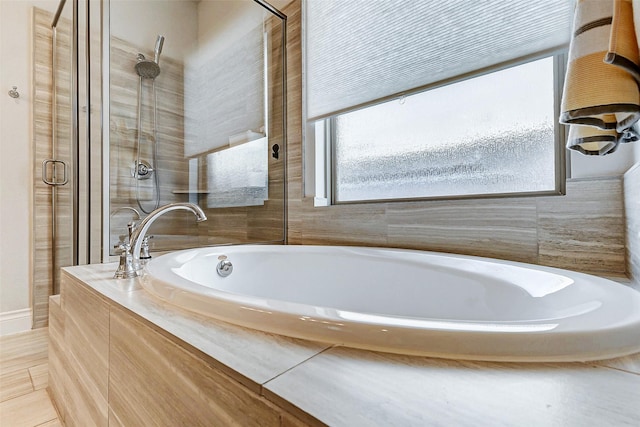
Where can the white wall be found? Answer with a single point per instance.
(614, 164)
(222, 23)
(141, 21)
(16, 152)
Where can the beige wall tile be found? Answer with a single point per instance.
(493, 228)
(584, 230)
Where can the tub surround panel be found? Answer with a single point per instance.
(86, 350)
(311, 384)
(235, 349)
(87, 317)
(57, 359)
(584, 230)
(380, 389)
(149, 374)
(632, 211)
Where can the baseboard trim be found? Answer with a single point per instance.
(13, 322)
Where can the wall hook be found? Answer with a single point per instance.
(14, 92)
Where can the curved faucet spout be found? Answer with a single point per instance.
(138, 234)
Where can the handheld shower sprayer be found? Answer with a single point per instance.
(158, 49)
(147, 68)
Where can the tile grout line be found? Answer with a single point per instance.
(296, 365)
(625, 371)
(33, 384)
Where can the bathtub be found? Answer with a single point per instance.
(405, 301)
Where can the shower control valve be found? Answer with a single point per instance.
(141, 170)
(144, 169)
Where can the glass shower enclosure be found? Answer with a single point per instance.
(196, 113)
(143, 103)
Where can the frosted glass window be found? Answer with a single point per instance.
(492, 134)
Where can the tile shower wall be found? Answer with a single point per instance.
(632, 211)
(583, 230)
(225, 225)
(172, 167)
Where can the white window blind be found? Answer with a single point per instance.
(224, 94)
(361, 51)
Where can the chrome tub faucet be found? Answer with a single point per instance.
(130, 258)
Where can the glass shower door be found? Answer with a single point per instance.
(67, 145)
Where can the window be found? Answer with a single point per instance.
(433, 99)
(488, 135)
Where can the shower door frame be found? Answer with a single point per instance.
(83, 111)
(83, 213)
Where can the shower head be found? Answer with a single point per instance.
(158, 50)
(146, 68)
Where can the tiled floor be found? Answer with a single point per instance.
(24, 401)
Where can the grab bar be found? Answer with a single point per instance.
(65, 178)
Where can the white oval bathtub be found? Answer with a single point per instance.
(404, 301)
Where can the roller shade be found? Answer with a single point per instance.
(360, 51)
(224, 95)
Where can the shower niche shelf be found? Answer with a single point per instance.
(190, 191)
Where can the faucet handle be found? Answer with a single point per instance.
(144, 250)
(126, 268)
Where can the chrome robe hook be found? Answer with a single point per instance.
(14, 92)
